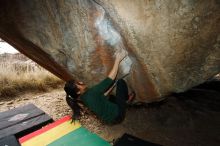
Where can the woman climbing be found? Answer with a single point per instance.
(110, 109)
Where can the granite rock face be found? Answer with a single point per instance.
(173, 45)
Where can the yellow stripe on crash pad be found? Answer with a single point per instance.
(52, 134)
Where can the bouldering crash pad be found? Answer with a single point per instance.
(22, 120)
(65, 133)
(9, 141)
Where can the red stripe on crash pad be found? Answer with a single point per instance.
(46, 128)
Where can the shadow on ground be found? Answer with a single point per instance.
(185, 119)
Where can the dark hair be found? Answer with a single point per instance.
(72, 98)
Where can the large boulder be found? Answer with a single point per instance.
(173, 45)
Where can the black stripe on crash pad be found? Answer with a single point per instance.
(9, 141)
(22, 120)
(8, 118)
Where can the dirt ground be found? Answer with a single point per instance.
(188, 119)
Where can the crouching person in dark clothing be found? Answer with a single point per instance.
(110, 109)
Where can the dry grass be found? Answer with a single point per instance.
(16, 79)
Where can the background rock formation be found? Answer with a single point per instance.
(173, 45)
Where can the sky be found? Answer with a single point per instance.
(6, 48)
